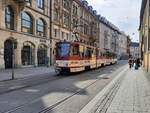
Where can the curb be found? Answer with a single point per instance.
(89, 107)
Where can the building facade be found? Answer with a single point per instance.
(30, 30)
(123, 44)
(25, 33)
(111, 37)
(134, 49)
(145, 34)
(73, 20)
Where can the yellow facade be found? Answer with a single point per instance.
(145, 34)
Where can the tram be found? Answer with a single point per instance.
(72, 57)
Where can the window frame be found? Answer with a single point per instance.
(11, 18)
(27, 21)
(43, 26)
(40, 4)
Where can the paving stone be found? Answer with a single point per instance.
(133, 95)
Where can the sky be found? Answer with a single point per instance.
(122, 13)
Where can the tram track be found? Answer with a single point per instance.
(57, 103)
(35, 81)
(48, 109)
(52, 106)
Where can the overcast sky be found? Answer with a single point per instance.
(122, 13)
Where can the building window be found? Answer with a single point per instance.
(41, 27)
(27, 54)
(9, 18)
(75, 23)
(105, 39)
(86, 29)
(67, 36)
(62, 35)
(56, 15)
(27, 23)
(40, 4)
(55, 32)
(42, 55)
(75, 10)
(66, 4)
(66, 20)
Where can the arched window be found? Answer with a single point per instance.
(27, 23)
(41, 31)
(40, 4)
(9, 18)
(28, 53)
(42, 55)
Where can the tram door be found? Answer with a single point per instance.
(8, 54)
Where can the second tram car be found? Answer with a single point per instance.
(76, 57)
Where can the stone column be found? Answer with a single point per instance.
(2, 62)
(18, 59)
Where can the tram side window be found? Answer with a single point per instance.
(75, 50)
(88, 53)
(81, 51)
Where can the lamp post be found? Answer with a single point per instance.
(14, 46)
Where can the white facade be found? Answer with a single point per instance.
(112, 40)
(123, 45)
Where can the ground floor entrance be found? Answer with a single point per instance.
(8, 54)
(42, 55)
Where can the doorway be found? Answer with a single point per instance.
(8, 54)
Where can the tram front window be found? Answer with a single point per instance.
(63, 50)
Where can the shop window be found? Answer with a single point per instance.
(27, 54)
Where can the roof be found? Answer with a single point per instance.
(134, 44)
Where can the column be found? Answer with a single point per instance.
(2, 62)
(18, 59)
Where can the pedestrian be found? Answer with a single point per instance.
(130, 63)
(138, 62)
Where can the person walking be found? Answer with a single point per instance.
(130, 63)
(137, 63)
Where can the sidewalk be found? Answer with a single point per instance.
(131, 96)
(25, 72)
